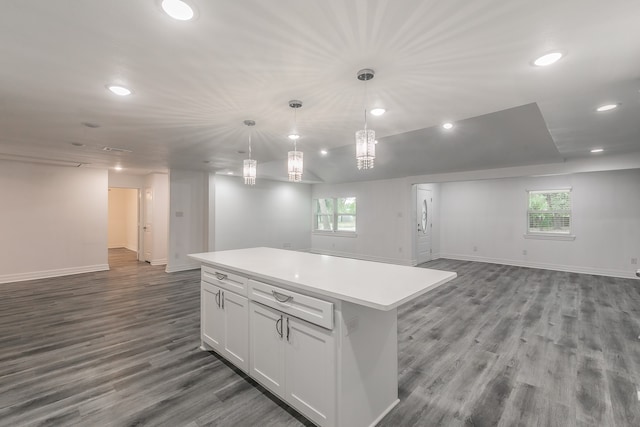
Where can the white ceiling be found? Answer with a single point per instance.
(195, 82)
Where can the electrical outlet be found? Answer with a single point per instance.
(400, 249)
(286, 245)
(475, 249)
(524, 252)
(634, 261)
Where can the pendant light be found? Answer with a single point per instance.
(250, 166)
(295, 163)
(365, 138)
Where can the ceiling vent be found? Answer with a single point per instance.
(116, 150)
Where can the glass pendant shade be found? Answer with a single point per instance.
(365, 148)
(295, 166)
(249, 171)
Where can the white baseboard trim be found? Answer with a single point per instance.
(161, 261)
(183, 267)
(407, 262)
(131, 249)
(544, 266)
(46, 274)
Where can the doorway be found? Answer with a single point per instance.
(424, 223)
(123, 219)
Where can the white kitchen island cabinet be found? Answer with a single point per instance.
(321, 331)
(224, 320)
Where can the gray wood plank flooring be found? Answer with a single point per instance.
(498, 346)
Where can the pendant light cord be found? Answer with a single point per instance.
(365, 104)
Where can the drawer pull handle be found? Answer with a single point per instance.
(221, 276)
(288, 330)
(279, 331)
(281, 297)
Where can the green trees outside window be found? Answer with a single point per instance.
(549, 212)
(334, 214)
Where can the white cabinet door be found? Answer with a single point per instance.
(212, 322)
(267, 347)
(310, 371)
(236, 329)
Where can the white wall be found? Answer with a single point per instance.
(125, 180)
(53, 221)
(131, 219)
(117, 225)
(159, 184)
(188, 220)
(385, 213)
(123, 218)
(273, 214)
(491, 216)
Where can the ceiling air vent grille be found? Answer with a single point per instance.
(116, 150)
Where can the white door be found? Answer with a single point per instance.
(212, 322)
(267, 347)
(236, 329)
(310, 370)
(424, 211)
(147, 239)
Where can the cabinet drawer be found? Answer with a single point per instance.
(224, 279)
(308, 308)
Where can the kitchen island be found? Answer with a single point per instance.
(320, 332)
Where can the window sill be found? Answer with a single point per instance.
(550, 236)
(335, 233)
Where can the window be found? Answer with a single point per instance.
(549, 212)
(335, 214)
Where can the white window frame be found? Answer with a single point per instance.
(335, 215)
(531, 234)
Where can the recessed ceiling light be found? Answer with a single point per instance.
(177, 9)
(118, 168)
(448, 126)
(378, 111)
(294, 136)
(606, 107)
(119, 90)
(597, 150)
(324, 152)
(548, 59)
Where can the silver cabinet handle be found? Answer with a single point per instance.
(223, 300)
(221, 276)
(281, 297)
(288, 330)
(218, 298)
(279, 331)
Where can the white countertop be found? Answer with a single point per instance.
(371, 284)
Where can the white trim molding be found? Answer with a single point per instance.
(183, 267)
(46, 274)
(399, 261)
(161, 261)
(549, 236)
(545, 266)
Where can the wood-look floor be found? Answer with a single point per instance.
(499, 345)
